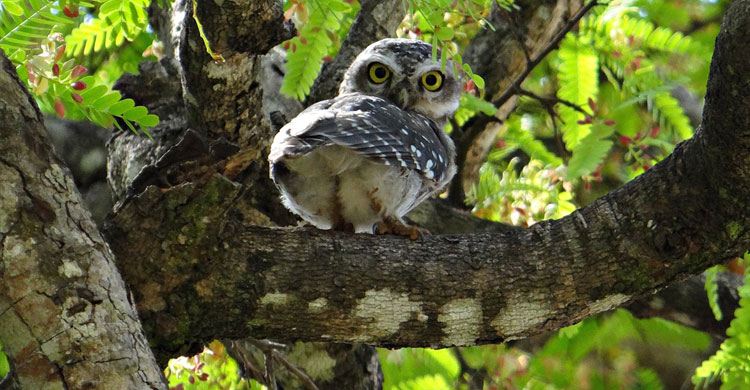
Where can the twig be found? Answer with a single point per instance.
(271, 350)
(255, 372)
(552, 100)
(309, 384)
(477, 376)
(551, 46)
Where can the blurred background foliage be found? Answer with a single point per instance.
(615, 97)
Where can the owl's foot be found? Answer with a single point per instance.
(390, 225)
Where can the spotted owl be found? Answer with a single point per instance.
(362, 160)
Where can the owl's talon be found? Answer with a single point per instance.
(390, 225)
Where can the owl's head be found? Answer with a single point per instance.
(403, 72)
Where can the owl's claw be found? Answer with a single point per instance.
(390, 225)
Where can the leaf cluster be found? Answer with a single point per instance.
(322, 25)
(43, 38)
(731, 363)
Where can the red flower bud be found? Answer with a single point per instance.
(79, 85)
(59, 108)
(78, 70)
(592, 104)
(625, 141)
(71, 13)
(654, 131)
(609, 122)
(78, 98)
(56, 70)
(59, 52)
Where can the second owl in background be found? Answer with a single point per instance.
(362, 160)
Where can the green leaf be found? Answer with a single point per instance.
(4, 364)
(135, 113)
(13, 8)
(712, 290)
(150, 120)
(587, 155)
(93, 93)
(107, 100)
(579, 81)
(121, 107)
(445, 33)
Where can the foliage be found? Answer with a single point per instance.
(731, 363)
(712, 290)
(323, 24)
(212, 369)
(535, 193)
(116, 22)
(598, 352)
(34, 35)
(4, 364)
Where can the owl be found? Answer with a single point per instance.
(362, 160)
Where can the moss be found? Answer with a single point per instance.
(734, 229)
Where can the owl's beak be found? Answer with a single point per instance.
(401, 96)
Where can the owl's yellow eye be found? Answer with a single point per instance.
(378, 72)
(432, 80)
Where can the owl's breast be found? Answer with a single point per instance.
(335, 187)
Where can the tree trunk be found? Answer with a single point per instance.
(66, 321)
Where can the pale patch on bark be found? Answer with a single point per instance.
(384, 311)
(462, 319)
(235, 70)
(69, 269)
(519, 315)
(11, 180)
(317, 305)
(607, 303)
(275, 299)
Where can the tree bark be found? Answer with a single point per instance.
(66, 321)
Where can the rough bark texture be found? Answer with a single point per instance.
(65, 318)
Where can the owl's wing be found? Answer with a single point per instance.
(370, 126)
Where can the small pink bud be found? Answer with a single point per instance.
(78, 70)
(79, 85)
(59, 108)
(78, 98)
(59, 52)
(56, 70)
